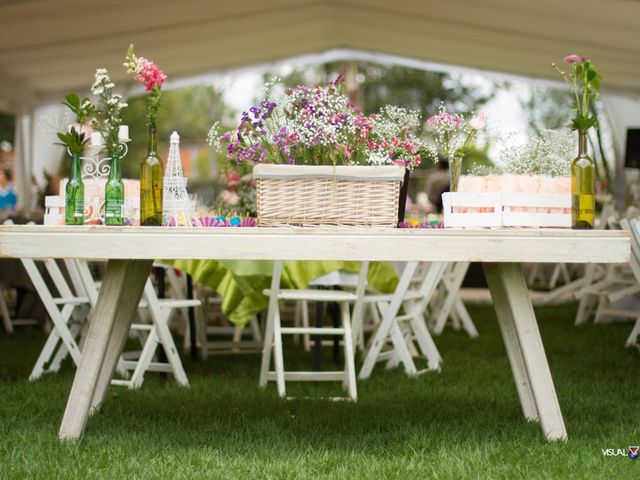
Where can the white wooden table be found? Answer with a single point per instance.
(131, 250)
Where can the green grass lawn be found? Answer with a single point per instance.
(464, 422)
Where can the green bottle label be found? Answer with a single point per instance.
(79, 210)
(113, 209)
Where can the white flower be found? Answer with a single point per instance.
(478, 122)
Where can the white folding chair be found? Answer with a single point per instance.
(153, 334)
(451, 305)
(216, 334)
(274, 332)
(63, 338)
(158, 334)
(403, 328)
(634, 263)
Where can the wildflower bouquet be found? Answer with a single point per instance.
(320, 126)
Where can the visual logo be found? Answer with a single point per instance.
(633, 452)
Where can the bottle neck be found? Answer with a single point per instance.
(152, 147)
(114, 171)
(582, 143)
(76, 164)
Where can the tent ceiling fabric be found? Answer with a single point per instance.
(51, 46)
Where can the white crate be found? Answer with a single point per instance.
(464, 209)
(554, 210)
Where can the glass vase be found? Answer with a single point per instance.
(74, 194)
(583, 187)
(151, 183)
(114, 194)
(402, 200)
(455, 169)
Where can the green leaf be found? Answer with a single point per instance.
(72, 101)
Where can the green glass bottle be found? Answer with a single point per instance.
(74, 194)
(583, 187)
(114, 193)
(151, 183)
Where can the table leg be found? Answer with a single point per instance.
(524, 347)
(118, 299)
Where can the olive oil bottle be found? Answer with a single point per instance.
(151, 179)
(583, 187)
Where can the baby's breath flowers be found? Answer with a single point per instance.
(109, 113)
(550, 153)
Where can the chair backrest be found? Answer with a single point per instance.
(41, 287)
(633, 227)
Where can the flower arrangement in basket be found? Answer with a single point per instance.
(319, 162)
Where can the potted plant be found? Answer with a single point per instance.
(319, 162)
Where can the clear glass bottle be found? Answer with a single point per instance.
(583, 187)
(455, 169)
(74, 194)
(114, 194)
(151, 183)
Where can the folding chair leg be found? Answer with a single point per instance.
(349, 361)
(452, 289)
(426, 343)
(169, 346)
(45, 355)
(402, 350)
(255, 330)
(269, 329)
(56, 363)
(306, 338)
(465, 318)
(278, 355)
(144, 360)
(603, 304)
(633, 338)
(4, 312)
(584, 309)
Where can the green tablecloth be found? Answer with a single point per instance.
(240, 282)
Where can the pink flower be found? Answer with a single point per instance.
(573, 58)
(478, 121)
(148, 74)
(229, 197)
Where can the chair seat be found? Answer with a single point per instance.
(70, 300)
(315, 295)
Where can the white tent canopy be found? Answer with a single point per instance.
(50, 47)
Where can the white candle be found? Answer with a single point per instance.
(123, 133)
(96, 139)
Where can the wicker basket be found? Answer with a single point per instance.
(310, 196)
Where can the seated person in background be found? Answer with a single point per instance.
(8, 198)
(438, 183)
